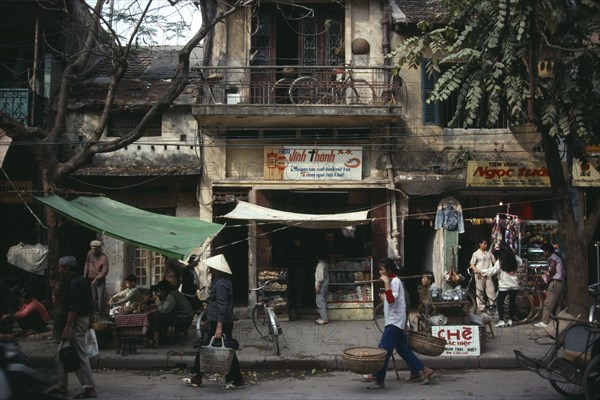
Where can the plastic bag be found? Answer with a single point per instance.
(91, 344)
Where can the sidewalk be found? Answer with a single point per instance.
(304, 345)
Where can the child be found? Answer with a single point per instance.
(424, 296)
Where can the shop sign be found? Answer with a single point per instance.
(8, 191)
(507, 174)
(325, 163)
(584, 174)
(461, 340)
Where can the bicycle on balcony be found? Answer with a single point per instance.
(338, 87)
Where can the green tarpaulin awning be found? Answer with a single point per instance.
(175, 237)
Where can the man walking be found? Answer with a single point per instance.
(556, 285)
(95, 270)
(480, 260)
(79, 309)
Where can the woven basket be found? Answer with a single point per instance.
(214, 359)
(364, 360)
(426, 344)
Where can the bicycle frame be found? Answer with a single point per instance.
(267, 325)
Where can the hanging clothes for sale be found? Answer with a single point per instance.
(449, 215)
(506, 229)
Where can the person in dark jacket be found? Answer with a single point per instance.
(220, 318)
(79, 307)
(173, 310)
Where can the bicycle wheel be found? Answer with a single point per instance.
(273, 331)
(591, 379)
(358, 91)
(568, 389)
(538, 301)
(259, 319)
(280, 92)
(524, 306)
(379, 317)
(472, 303)
(304, 90)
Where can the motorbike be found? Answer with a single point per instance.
(18, 380)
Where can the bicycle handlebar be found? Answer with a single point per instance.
(264, 285)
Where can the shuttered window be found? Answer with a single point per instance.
(431, 111)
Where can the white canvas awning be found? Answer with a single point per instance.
(244, 210)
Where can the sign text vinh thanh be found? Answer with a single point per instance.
(328, 162)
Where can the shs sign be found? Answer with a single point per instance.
(507, 174)
(461, 340)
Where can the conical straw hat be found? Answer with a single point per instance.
(219, 263)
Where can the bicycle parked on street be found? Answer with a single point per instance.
(264, 319)
(524, 311)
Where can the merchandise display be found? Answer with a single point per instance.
(351, 288)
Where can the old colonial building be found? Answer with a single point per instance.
(302, 112)
(295, 106)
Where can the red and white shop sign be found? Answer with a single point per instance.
(461, 340)
(507, 174)
(324, 163)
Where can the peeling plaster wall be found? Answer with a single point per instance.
(115, 251)
(177, 147)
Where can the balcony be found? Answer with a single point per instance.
(299, 96)
(17, 103)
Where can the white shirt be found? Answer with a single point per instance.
(482, 259)
(506, 280)
(395, 313)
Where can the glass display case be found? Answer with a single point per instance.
(350, 295)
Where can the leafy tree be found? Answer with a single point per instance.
(99, 38)
(493, 48)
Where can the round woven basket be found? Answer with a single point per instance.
(364, 360)
(426, 344)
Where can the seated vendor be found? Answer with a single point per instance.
(425, 306)
(128, 297)
(173, 310)
(32, 317)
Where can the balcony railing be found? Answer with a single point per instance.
(301, 86)
(17, 103)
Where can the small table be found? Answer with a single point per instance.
(129, 328)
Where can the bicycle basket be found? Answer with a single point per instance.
(215, 359)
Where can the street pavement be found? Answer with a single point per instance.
(304, 345)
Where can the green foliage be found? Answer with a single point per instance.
(488, 44)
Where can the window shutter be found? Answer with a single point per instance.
(431, 111)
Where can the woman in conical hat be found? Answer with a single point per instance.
(220, 318)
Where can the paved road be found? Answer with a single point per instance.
(287, 384)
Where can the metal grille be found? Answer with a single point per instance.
(15, 103)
